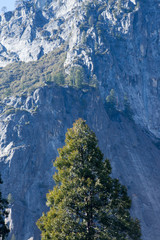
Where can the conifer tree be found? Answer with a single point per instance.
(110, 104)
(86, 203)
(4, 230)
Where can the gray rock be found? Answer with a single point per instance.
(28, 146)
(123, 56)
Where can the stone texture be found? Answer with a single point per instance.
(28, 145)
(124, 57)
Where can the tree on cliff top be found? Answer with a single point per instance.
(4, 230)
(86, 203)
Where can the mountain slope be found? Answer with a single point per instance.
(114, 45)
(122, 37)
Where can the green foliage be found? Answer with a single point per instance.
(111, 98)
(94, 17)
(77, 76)
(137, 5)
(91, 9)
(59, 78)
(4, 230)
(94, 81)
(86, 203)
(111, 103)
(23, 78)
(10, 198)
(19, 78)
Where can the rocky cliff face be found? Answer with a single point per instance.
(31, 135)
(117, 44)
(122, 36)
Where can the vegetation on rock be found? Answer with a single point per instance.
(20, 78)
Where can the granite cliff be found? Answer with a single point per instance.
(117, 45)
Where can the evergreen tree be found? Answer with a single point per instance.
(86, 203)
(111, 101)
(79, 78)
(111, 104)
(4, 230)
(59, 78)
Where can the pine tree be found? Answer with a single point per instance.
(110, 104)
(79, 78)
(86, 203)
(4, 230)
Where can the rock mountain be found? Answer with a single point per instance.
(117, 45)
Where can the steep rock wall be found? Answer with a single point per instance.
(117, 42)
(119, 48)
(29, 141)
